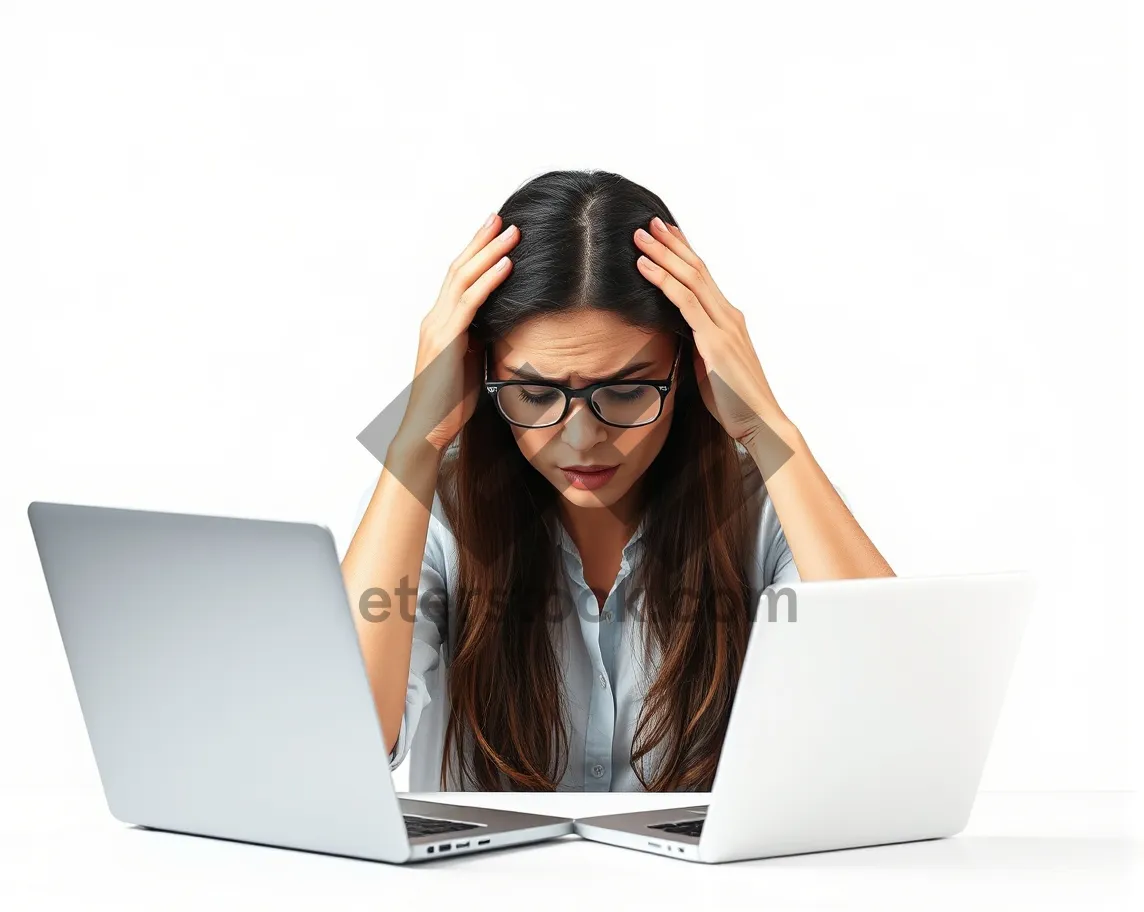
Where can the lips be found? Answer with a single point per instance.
(589, 478)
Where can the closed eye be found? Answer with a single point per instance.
(541, 395)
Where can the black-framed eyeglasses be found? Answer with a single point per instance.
(619, 403)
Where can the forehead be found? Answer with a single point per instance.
(588, 342)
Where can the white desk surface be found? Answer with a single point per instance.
(1021, 850)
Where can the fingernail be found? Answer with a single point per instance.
(658, 222)
(492, 218)
(643, 235)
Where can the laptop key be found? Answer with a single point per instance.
(681, 827)
(431, 826)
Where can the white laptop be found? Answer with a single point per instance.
(223, 689)
(864, 718)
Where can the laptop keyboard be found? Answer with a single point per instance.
(431, 826)
(681, 827)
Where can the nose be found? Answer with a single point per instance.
(582, 429)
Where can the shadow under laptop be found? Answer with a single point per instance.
(970, 853)
(978, 853)
(277, 850)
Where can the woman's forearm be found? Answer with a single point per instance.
(824, 537)
(382, 569)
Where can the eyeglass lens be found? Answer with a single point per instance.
(629, 404)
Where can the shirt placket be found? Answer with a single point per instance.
(599, 630)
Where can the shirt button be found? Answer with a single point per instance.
(608, 615)
(603, 682)
(598, 771)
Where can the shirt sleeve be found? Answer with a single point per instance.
(429, 625)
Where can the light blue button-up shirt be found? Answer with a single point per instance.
(600, 650)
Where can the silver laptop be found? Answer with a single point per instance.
(223, 689)
(863, 716)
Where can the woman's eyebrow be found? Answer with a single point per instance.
(524, 372)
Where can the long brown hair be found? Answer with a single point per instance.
(506, 728)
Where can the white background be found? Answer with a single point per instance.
(221, 223)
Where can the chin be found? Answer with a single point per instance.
(589, 498)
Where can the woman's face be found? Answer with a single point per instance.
(576, 349)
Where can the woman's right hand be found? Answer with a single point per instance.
(448, 375)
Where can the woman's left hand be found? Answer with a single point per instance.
(730, 376)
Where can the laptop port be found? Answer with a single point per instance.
(462, 845)
(446, 847)
(482, 842)
(431, 850)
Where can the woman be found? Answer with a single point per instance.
(577, 487)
